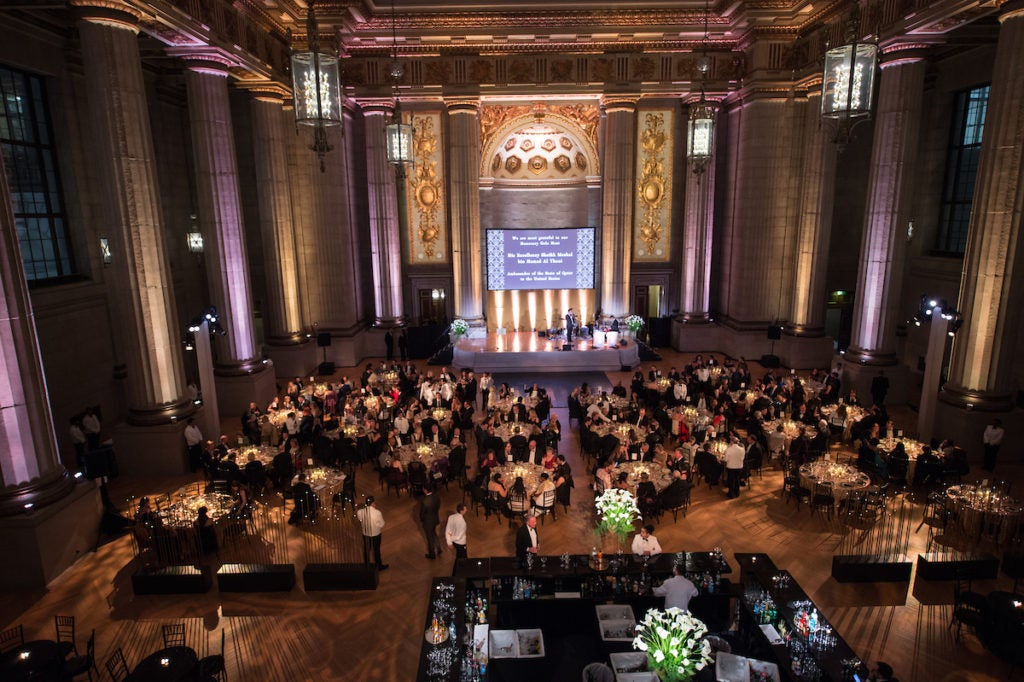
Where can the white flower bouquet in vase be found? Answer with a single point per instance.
(674, 643)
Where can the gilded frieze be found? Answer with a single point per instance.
(428, 238)
(653, 188)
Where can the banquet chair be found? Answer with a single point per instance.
(680, 505)
(65, 628)
(546, 506)
(791, 485)
(598, 672)
(518, 506)
(440, 472)
(116, 666)
(494, 504)
(419, 478)
(347, 493)
(174, 635)
(212, 667)
(11, 638)
(79, 665)
(823, 500)
(969, 608)
(397, 481)
(477, 498)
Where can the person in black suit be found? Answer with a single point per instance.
(520, 446)
(389, 345)
(527, 540)
(570, 325)
(306, 502)
(430, 508)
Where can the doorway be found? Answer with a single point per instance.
(432, 306)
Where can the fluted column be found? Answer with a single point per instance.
(282, 312)
(140, 279)
(765, 133)
(883, 245)
(30, 470)
(814, 226)
(617, 204)
(385, 232)
(698, 237)
(220, 215)
(464, 188)
(324, 236)
(980, 372)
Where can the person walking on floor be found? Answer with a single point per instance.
(992, 439)
(430, 509)
(455, 531)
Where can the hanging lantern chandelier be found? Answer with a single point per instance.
(848, 82)
(317, 88)
(700, 133)
(399, 135)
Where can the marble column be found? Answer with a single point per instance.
(30, 470)
(814, 226)
(617, 204)
(140, 280)
(698, 238)
(237, 361)
(982, 359)
(464, 189)
(385, 223)
(890, 182)
(282, 312)
(764, 142)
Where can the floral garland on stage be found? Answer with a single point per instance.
(674, 643)
(634, 322)
(618, 510)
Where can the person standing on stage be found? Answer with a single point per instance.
(570, 325)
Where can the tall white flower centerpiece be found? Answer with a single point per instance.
(458, 329)
(617, 511)
(634, 323)
(674, 643)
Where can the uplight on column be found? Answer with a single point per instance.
(317, 88)
(700, 134)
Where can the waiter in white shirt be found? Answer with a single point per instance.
(194, 444)
(455, 531)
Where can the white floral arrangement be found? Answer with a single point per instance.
(674, 643)
(634, 322)
(618, 510)
(459, 327)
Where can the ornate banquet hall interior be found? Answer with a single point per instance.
(176, 165)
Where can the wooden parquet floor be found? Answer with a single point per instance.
(376, 635)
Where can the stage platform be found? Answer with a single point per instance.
(525, 351)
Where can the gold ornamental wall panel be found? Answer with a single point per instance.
(653, 214)
(428, 219)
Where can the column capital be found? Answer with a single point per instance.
(266, 91)
(624, 103)
(462, 105)
(903, 52)
(1013, 9)
(205, 59)
(377, 106)
(712, 101)
(112, 13)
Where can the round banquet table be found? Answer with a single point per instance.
(325, 481)
(620, 431)
(183, 513)
(384, 380)
(508, 429)
(173, 664)
(984, 512)
(912, 447)
(427, 453)
(616, 402)
(40, 659)
(281, 416)
(843, 477)
(505, 404)
(438, 414)
(853, 415)
(659, 475)
(261, 453)
(530, 473)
